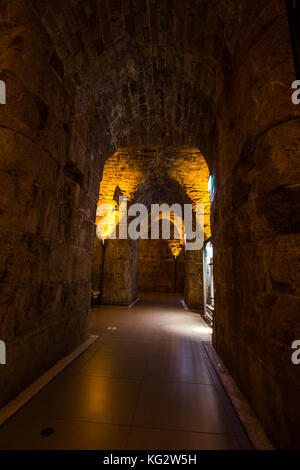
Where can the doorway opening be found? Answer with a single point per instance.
(208, 282)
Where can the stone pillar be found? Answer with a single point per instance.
(193, 284)
(97, 271)
(180, 272)
(120, 272)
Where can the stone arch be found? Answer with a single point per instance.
(136, 169)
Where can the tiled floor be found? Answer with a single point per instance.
(145, 385)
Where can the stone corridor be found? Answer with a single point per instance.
(165, 102)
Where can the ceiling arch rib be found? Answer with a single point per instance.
(146, 73)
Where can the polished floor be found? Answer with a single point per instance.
(146, 383)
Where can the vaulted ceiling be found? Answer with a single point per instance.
(146, 72)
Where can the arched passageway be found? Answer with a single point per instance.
(85, 79)
(172, 176)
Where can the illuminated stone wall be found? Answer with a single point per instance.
(134, 173)
(158, 175)
(129, 168)
(156, 268)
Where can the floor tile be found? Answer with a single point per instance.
(178, 368)
(158, 439)
(98, 399)
(181, 406)
(118, 365)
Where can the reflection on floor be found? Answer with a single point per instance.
(145, 384)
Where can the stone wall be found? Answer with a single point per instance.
(120, 272)
(180, 169)
(48, 185)
(256, 224)
(156, 269)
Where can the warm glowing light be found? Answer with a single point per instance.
(175, 247)
(106, 223)
(129, 168)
